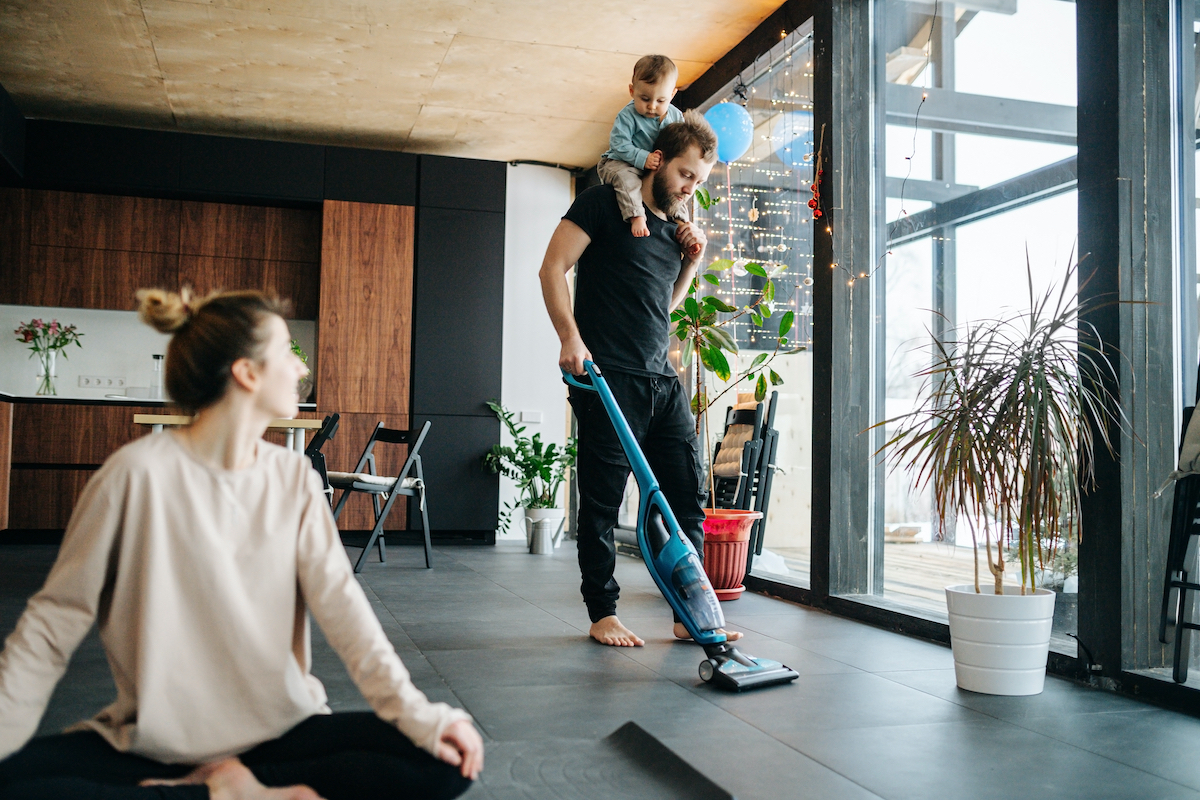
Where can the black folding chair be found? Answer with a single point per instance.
(410, 482)
(313, 452)
(764, 476)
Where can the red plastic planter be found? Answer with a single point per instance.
(726, 542)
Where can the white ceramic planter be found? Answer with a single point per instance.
(541, 529)
(1000, 642)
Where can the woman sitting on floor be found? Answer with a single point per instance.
(200, 553)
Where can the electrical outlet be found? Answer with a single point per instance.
(101, 382)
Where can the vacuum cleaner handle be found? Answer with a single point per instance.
(573, 380)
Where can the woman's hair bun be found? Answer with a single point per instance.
(165, 311)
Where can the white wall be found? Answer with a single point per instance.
(115, 344)
(537, 197)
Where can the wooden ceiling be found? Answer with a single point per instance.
(495, 79)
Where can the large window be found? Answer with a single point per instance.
(976, 154)
(763, 217)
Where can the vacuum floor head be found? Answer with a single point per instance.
(730, 669)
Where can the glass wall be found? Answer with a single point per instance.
(976, 159)
(762, 217)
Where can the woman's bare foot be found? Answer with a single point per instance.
(682, 633)
(610, 631)
(638, 226)
(231, 780)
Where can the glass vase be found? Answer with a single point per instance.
(46, 373)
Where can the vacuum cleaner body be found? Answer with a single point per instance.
(676, 567)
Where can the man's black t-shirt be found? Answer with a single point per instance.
(624, 284)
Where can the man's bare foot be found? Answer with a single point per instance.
(611, 632)
(682, 633)
(231, 780)
(638, 225)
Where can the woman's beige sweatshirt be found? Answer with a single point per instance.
(200, 579)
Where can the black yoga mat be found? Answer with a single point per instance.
(628, 763)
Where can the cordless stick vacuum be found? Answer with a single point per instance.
(675, 567)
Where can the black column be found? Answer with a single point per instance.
(458, 320)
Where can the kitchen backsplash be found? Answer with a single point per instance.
(116, 344)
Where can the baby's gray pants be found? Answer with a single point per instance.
(627, 180)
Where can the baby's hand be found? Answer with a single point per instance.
(654, 160)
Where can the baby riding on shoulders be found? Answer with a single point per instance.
(633, 134)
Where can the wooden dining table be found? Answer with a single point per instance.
(294, 429)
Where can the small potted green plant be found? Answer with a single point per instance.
(305, 387)
(1002, 434)
(539, 471)
(702, 323)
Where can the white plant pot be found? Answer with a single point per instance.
(1000, 642)
(543, 528)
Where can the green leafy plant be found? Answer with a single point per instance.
(702, 324)
(1000, 433)
(705, 200)
(538, 469)
(299, 351)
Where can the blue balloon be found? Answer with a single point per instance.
(792, 137)
(734, 129)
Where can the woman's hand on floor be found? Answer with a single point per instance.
(462, 746)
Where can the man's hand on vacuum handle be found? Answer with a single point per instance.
(574, 352)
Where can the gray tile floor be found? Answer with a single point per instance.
(873, 715)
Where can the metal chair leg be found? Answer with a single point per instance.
(376, 536)
(378, 524)
(423, 501)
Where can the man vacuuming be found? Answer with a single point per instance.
(626, 287)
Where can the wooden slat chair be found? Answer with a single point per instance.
(313, 452)
(735, 459)
(410, 482)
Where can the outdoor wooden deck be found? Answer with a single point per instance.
(915, 574)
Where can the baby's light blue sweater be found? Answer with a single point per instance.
(633, 135)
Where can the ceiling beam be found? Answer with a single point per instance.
(787, 18)
(957, 112)
(1031, 187)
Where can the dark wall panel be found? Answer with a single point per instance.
(100, 158)
(463, 183)
(252, 168)
(459, 311)
(12, 139)
(371, 176)
(461, 495)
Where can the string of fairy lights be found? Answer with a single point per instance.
(771, 198)
(763, 216)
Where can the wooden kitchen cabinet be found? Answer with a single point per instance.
(76, 250)
(63, 434)
(366, 308)
(52, 451)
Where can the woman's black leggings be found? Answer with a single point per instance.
(349, 756)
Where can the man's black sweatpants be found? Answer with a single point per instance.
(660, 416)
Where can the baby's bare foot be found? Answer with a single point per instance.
(682, 633)
(638, 225)
(230, 780)
(611, 632)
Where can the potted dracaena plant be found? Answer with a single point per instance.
(1003, 434)
(702, 323)
(539, 471)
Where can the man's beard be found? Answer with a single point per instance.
(666, 203)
